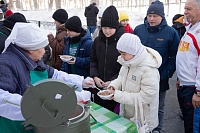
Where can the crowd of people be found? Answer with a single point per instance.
(133, 64)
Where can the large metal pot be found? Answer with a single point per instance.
(51, 107)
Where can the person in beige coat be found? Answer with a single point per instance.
(138, 76)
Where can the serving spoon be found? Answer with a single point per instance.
(96, 87)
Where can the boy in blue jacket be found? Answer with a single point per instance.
(78, 44)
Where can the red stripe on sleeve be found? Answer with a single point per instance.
(195, 43)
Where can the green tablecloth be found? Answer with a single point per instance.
(109, 122)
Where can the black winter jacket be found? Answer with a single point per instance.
(103, 59)
(180, 28)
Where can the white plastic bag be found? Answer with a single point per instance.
(140, 122)
(83, 96)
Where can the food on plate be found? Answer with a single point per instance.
(105, 93)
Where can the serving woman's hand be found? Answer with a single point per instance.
(88, 82)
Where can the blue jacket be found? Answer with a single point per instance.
(165, 40)
(16, 65)
(82, 55)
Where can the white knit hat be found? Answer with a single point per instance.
(131, 44)
(27, 36)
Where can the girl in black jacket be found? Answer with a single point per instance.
(103, 60)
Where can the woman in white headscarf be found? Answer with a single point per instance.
(138, 77)
(21, 65)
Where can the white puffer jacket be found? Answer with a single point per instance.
(139, 76)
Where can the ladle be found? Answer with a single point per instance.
(96, 87)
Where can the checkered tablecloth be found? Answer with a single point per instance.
(109, 122)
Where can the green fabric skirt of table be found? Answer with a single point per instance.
(109, 122)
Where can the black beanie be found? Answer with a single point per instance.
(60, 15)
(12, 19)
(156, 8)
(110, 18)
(2, 2)
(74, 24)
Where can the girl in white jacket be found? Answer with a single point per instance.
(138, 77)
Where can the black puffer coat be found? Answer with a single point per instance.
(103, 59)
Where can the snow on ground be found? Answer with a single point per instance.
(136, 15)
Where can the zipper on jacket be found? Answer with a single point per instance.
(125, 83)
(127, 75)
(105, 60)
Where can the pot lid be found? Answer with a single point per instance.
(48, 103)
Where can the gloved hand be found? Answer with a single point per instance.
(88, 82)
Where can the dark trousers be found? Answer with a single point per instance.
(179, 91)
(186, 94)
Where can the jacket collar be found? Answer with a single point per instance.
(115, 37)
(85, 37)
(154, 29)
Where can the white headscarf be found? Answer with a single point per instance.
(27, 36)
(131, 44)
